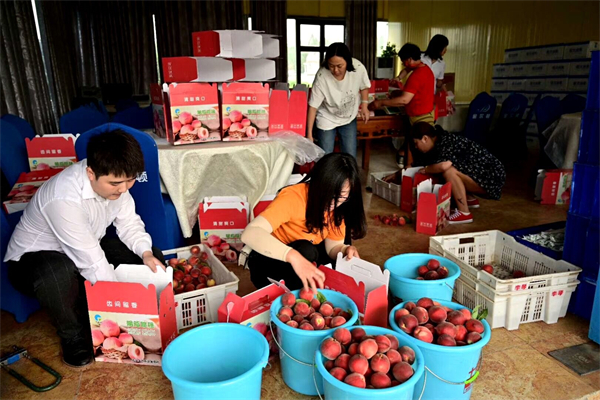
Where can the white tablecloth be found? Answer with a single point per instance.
(192, 172)
(563, 140)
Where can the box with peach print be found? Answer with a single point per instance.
(245, 111)
(55, 151)
(158, 115)
(132, 320)
(24, 189)
(191, 113)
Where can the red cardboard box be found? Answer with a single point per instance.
(433, 207)
(235, 43)
(410, 180)
(140, 307)
(365, 283)
(379, 89)
(209, 69)
(245, 111)
(554, 186)
(288, 109)
(25, 187)
(56, 151)
(158, 114)
(252, 309)
(191, 113)
(224, 216)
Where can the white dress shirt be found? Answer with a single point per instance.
(66, 215)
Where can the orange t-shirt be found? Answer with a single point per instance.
(287, 216)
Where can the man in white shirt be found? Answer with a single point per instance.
(60, 240)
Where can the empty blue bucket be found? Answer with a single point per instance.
(237, 355)
(459, 365)
(298, 347)
(403, 271)
(335, 389)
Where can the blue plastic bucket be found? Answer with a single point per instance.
(298, 347)
(335, 389)
(237, 356)
(403, 271)
(459, 365)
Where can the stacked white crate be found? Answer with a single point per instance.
(552, 70)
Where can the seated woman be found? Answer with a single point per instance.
(470, 168)
(321, 207)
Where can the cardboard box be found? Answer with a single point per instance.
(531, 54)
(365, 283)
(235, 44)
(549, 53)
(288, 110)
(207, 69)
(55, 151)
(579, 68)
(511, 56)
(554, 186)
(516, 85)
(158, 114)
(557, 68)
(141, 304)
(535, 84)
(264, 202)
(500, 71)
(517, 70)
(245, 111)
(499, 84)
(580, 50)
(556, 84)
(410, 180)
(577, 85)
(26, 186)
(224, 216)
(538, 69)
(379, 89)
(191, 113)
(500, 96)
(251, 310)
(433, 207)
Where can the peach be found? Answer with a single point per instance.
(473, 337)
(380, 363)
(358, 334)
(201, 286)
(251, 132)
(110, 328)
(317, 321)
(326, 310)
(461, 333)
(353, 349)
(298, 318)
(368, 348)
(346, 315)
(423, 334)
(186, 130)
(446, 340)
(178, 275)
(430, 327)
(306, 294)
(331, 348)
(288, 299)
(342, 361)
(187, 279)
(195, 273)
(443, 272)
(472, 325)
(211, 282)
(195, 250)
(383, 343)
(292, 323)
(328, 322)
(204, 256)
(185, 118)
(461, 343)
(408, 323)
(236, 116)
(425, 302)
(173, 263)
(337, 321)
(338, 373)
(488, 268)
(342, 335)
(97, 337)
(422, 270)
(402, 372)
(176, 126)
(380, 380)
(328, 365)
(437, 314)
(126, 338)
(421, 314)
(431, 276)
(302, 309)
(189, 287)
(446, 328)
(456, 317)
(284, 318)
(111, 343)
(202, 133)
(206, 270)
(433, 264)
(394, 344)
(369, 372)
(358, 363)
(246, 122)
(393, 356)
(518, 274)
(226, 123)
(466, 312)
(315, 303)
(231, 255)
(407, 354)
(196, 124)
(356, 380)
(135, 352)
(213, 240)
(336, 311)
(399, 313)
(409, 305)
(307, 326)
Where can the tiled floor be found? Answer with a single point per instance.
(515, 363)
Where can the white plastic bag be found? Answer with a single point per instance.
(300, 148)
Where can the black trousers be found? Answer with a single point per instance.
(55, 281)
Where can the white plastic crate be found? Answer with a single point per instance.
(389, 191)
(506, 255)
(200, 306)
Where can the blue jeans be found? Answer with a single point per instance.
(326, 139)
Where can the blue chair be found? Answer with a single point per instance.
(22, 125)
(572, 103)
(479, 120)
(81, 120)
(508, 134)
(156, 209)
(102, 109)
(13, 153)
(124, 104)
(135, 117)
(13, 301)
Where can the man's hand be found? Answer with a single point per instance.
(308, 273)
(351, 251)
(364, 110)
(151, 262)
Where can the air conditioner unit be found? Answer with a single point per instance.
(385, 68)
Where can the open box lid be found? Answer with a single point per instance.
(237, 309)
(133, 273)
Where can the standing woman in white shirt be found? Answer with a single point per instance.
(340, 88)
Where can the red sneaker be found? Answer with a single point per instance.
(458, 217)
(473, 203)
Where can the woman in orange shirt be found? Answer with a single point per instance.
(285, 238)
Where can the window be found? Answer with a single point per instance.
(308, 39)
(388, 32)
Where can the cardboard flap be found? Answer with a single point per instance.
(376, 312)
(206, 43)
(54, 145)
(411, 172)
(270, 46)
(259, 70)
(363, 271)
(104, 296)
(343, 283)
(424, 187)
(198, 69)
(156, 94)
(445, 192)
(167, 316)
(243, 308)
(132, 273)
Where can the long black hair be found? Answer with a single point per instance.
(325, 183)
(437, 44)
(340, 50)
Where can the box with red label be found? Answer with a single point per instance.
(245, 111)
(365, 283)
(235, 43)
(264, 201)
(24, 189)
(225, 217)
(133, 320)
(288, 109)
(410, 180)
(211, 69)
(554, 186)
(444, 103)
(51, 151)
(379, 89)
(191, 113)
(158, 114)
(433, 207)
